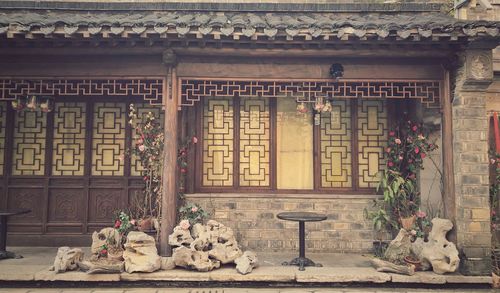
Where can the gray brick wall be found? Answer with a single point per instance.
(257, 228)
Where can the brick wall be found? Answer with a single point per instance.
(470, 145)
(256, 226)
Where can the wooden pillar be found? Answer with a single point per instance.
(447, 153)
(169, 180)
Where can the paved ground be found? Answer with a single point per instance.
(247, 290)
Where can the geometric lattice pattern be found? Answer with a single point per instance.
(147, 89)
(30, 131)
(3, 119)
(193, 90)
(335, 146)
(372, 138)
(68, 155)
(254, 142)
(218, 140)
(141, 110)
(108, 139)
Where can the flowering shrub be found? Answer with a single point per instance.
(148, 147)
(123, 224)
(406, 149)
(182, 162)
(193, 213)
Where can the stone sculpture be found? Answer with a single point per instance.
(140, 253)
(104, 237)
(246, 263)
(438, 252)
(101, 266)
(210, 246)
(67, 259)
(399, 248)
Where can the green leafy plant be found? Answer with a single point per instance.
(193, 213)
(123, 223)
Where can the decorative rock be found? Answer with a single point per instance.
(212, 245)
(180, 237)
(167, 263)
(438, 252)
(246, 263)
(385, 266)
(101, 267)
(140, 253)
(104, 237)
(193, 259)
(399, 248)
(67, 259)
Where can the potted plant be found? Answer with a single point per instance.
(406, 150)
(148, 148)
(382, 223)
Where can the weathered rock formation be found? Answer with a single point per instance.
(204, 247)
(101, 266)
(385, 266)
(140, 253)
(67, 259)
(438, 253)
(106, 236)
(246, 263)
(399, 248)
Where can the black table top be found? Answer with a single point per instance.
(301, 216)
(13, 212)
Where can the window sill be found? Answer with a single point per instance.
(282, 195)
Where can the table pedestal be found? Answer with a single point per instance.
(4, 254)
(301, 217)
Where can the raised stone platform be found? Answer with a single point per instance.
(337, 268)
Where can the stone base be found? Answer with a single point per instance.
(475, 267)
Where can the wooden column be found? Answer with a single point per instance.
(447, 153)
(169, 180)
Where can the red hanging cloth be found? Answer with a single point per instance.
(496, 127)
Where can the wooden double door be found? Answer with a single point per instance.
(71, 167)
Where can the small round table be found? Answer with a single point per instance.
(4, 214)
(301, 217)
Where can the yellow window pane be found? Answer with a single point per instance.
(335, 145)
(372, 137)
(68, 152)
(218, 140)
(294, 146)
(254, 142)
(30, 131)
(108, 139)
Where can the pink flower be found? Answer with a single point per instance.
(421, 214)
(493, 161)
(194, 140)
(184, 224)
(400, 158)
(397, 141)
(390, 164)
(139, 141)
(413, 232)
(141, 148)
(392, 133)
(422, 155)
(417, 150)
(133, 222)
(388, 150)
(194, 209)
(414, 128)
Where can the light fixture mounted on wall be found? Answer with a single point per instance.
(336, 71)
(33, 103)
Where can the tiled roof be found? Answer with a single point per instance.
(254, 26)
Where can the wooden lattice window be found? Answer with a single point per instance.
(284, 151)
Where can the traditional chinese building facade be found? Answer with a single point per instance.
(234, 75)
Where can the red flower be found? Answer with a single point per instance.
(414, 128)
(183, 170)
(417, 150)
(422, 155)
(118, 223)
(392, 133)
(103, 252)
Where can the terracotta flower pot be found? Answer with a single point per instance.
(408, 223)
(115, 254)
(412, 261)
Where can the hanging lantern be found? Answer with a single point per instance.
(47, 105)
(32, 103)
